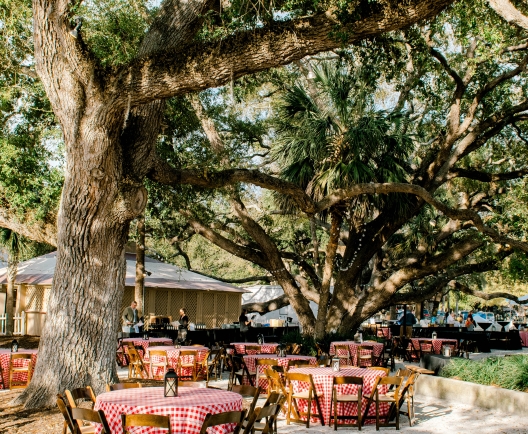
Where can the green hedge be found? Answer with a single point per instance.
(508, 372)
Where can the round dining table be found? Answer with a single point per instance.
(323, 379)
(5, 361)
(173, 354)
(240, 347)
(377, 349)
(187, 411)
(285, 362)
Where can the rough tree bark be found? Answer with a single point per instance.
(140, 265)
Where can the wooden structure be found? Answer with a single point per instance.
(167, 289)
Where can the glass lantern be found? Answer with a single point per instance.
(335, 365)
(14, 346)
(170, 388)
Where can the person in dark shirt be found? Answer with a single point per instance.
(410, 319)
(244, 325)
(184, 319)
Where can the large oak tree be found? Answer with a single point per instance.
(110, 116)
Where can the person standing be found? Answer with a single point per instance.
(130, 318)
(244, 325)
(184, 326)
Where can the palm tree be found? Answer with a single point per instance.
(330, 137)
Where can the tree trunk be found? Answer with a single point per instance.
(12, 269)
(78, 343)
(331, 249)
(139, 287)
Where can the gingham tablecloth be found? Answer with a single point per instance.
(240, 347)
(187, 411)
(5, 359)
(524, 338)
(251, 362)
(323, 380)
(377, 348)
(145, 343)
(437, 343)
(172, 355)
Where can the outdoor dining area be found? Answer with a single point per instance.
(182, 389)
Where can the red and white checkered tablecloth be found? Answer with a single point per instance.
(187, 411)
(524, 338)
(324, 378)
(437, 344)
(145, 343)
(377, 348)
(240, 347)
(5, 359)
(251, 362)
(172, 356)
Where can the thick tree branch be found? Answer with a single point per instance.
(212, 64)
(454, 285)
(486, 176)
(267, 306)
(509, 12)
(40, 232)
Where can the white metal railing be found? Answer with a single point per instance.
(19, 324)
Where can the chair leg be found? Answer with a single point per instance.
(334, 402)
(397, 416)
(409, 411)
(288, 415)
(309, 410)
(377, 412)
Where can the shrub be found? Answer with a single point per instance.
(508, 372)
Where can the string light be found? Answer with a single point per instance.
(355, 253)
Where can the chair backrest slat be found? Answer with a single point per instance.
(236, 417)
(121, 386)
(92, 416)
(151, 420)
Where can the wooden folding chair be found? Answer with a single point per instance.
(309, 395)
(241, 371)
(250, 392)
(214, 363)
(69, 422)
(393, 398)
(269, 412)
(346, 398)
(136, 367)
(365, 360)
(262, 375)
(81, 394)
(342, 352)
(15, 370)
(121, 386)
(195, 384)
(229, 417)
(162, 362)
(380, 368)
(147, 420)
(202, 366)
(412, 353)
(296, 350)
(299, 364)
(184, 363)
(406, 394)
(426, 347)
(92, 416)
(252, 349)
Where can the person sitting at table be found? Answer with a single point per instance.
(184, 319)
(130, 318)
(451, 318)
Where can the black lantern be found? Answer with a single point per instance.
(146, 336)
(171, 383)
(14, 346)
(260, 339)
